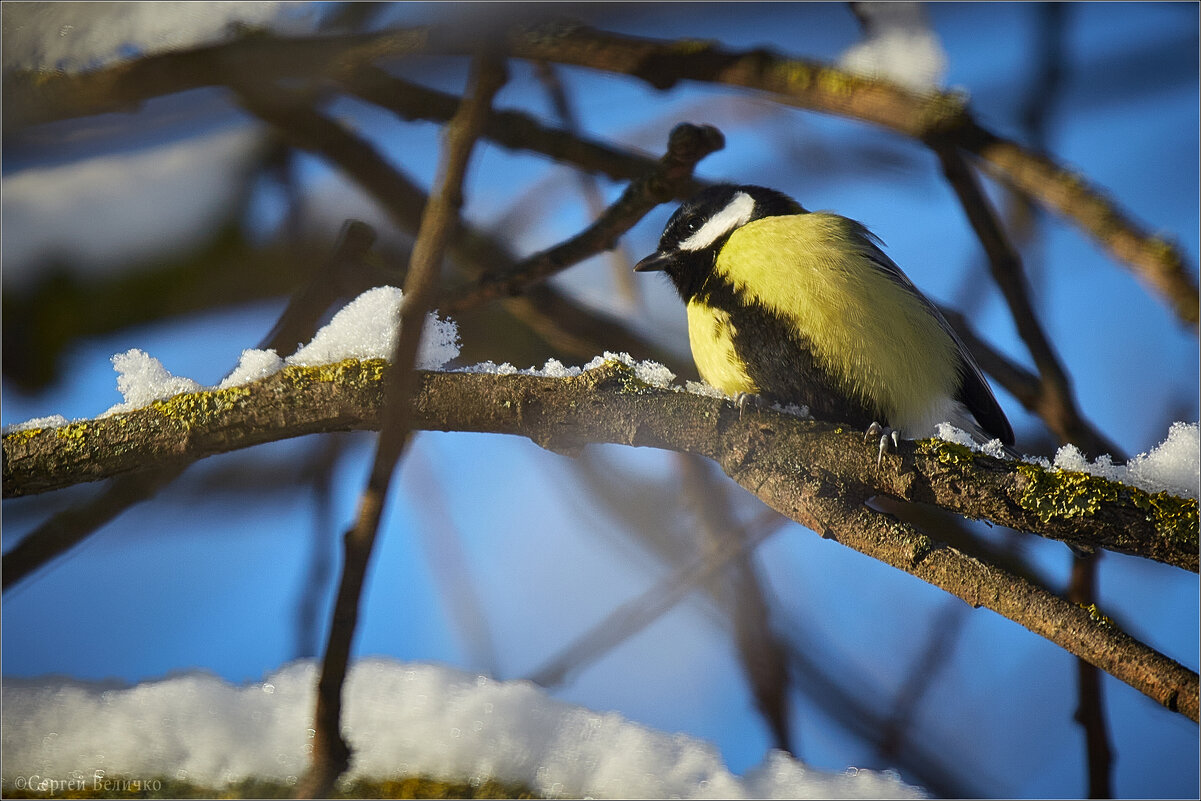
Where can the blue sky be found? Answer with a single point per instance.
(211, 580)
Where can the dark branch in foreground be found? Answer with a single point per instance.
(816, 473)
(331, 752)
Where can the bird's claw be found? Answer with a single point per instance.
(745, 399)
(890, 439)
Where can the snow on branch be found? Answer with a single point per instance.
(819, 474)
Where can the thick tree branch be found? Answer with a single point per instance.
(1071, 507)
(943, 117)
(815, 473)
(41, 97)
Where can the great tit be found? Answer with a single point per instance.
(801, 307)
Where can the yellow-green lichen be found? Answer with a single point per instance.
(23, 435)
(73, 432)
(1098, 616)
(1068, 494)
(686, 47)
(1172, 516)
(943, 110)
(798, 75)
(837, 82)
(920, 549)
(1163, 249)
(345, 371)
(948, 453)
(612, 372)
(1064, 495)
(116, 786)
(191, 408)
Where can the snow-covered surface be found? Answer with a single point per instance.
(76, 36)
(50, 421)
(253, 365)
(160, 199)
(365, 328)
(899, 46)
(400, 719)
(142, 379)
(950, 433)
(1173, 465)
(653, 373)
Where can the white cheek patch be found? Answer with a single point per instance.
(737, 212)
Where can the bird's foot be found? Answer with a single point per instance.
(745, 399)
(890, 439)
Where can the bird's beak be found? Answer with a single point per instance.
(655, 262)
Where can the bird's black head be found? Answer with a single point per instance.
(699, 228)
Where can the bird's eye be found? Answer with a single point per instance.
(693, 224)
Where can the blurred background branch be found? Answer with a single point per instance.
(325, 201)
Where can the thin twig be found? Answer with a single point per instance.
(687, 145)
(636, 614)
(40, 97)
(443, 544)
(511, 129)
(553, 315)
(855, 700)
(331, 753)
(619, 262)
(1056, 404)
(945, 628)
(760, 651)
(314, 587)
(1090, 708)
(339, 274)
(820, 87)
(68, 528)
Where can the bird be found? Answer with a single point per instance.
(801, 307)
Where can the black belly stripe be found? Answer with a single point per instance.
(781, 363)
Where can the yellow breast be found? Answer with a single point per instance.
(710, 333)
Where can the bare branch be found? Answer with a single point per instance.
(1055, 403)
(38, 97)
(511, 129)
(638, 613)
(66, 529)
(549, 312)
(1090, 709)
(331, 753)
(942, 117)
(760, 650)
(1082, 510)
(815, 473)
(687, 145)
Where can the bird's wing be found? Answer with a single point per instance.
(974, 392)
